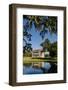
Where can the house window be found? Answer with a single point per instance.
(35, 53)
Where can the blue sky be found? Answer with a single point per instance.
(36, 39)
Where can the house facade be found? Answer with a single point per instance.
(40, 53)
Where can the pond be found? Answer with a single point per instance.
(46, 68)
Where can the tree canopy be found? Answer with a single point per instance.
(51, 47)
(46, 44)
(42, 23)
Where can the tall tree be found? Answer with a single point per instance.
(46, 44)
(53, 49)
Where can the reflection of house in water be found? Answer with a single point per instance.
(40, 53)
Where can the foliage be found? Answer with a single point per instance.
(51, 47)
(46, 44)
(41, 23)
(27, 49)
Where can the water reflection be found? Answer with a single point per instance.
(45, 68)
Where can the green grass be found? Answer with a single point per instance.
(29, 60)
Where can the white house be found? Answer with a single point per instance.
(40, 53)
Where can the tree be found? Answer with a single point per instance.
(26, 38)
(42, 23)
(53, 49)
(27, 50)
(46, 44)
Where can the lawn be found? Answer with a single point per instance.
(29, 60)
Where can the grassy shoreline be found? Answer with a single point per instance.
(29, 60)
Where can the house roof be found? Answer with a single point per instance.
(37, 50)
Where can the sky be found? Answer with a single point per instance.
(36, 39)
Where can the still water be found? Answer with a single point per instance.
(47, 68)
